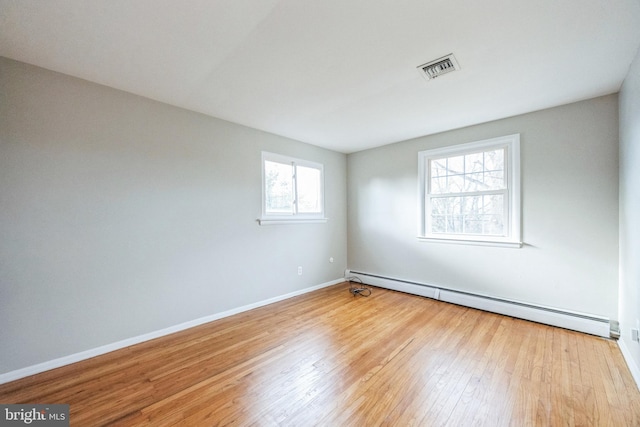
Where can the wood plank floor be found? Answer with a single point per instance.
(328, 358)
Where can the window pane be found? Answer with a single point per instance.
(439, 185)
(474, 182)
(438, 206)
(494, 160)
(493, 204)
(494, 225)
(445, 205)
(473, 163)
(494, 214)
(455, 184)
(453, 205)
(472, 205)
(473, 224)
(309, 190)
(439, 167)
(494, 180)
(454, 224)
(278, 187)
(455, 165)
(438, 224)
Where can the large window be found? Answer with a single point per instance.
(471, 192)
(292, 190)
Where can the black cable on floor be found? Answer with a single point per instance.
(356, 287)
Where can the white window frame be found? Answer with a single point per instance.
(294, 217)
(512, 236)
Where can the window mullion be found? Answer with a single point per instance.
(470, 193)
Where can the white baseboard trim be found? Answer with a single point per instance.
(631, 363)
(83, 355)
(582, 322)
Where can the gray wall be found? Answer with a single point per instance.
(122, 216)
(569, 158)
(630, 209)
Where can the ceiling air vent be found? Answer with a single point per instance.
(440, 66)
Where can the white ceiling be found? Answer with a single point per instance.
(340, 74)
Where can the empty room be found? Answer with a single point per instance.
(299, 213)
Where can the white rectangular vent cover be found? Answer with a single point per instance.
(440, 66)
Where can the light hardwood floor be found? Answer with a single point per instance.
(328, 358)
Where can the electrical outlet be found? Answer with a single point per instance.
(300, 271)
(634, 335)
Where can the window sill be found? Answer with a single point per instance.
(279, 221)
(502, 243)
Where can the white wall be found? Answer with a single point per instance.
(122, 216)
(630, 214)
(570, 213)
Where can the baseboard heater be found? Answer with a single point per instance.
(581, 322)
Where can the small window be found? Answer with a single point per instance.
(470, 193)
(292, 190)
